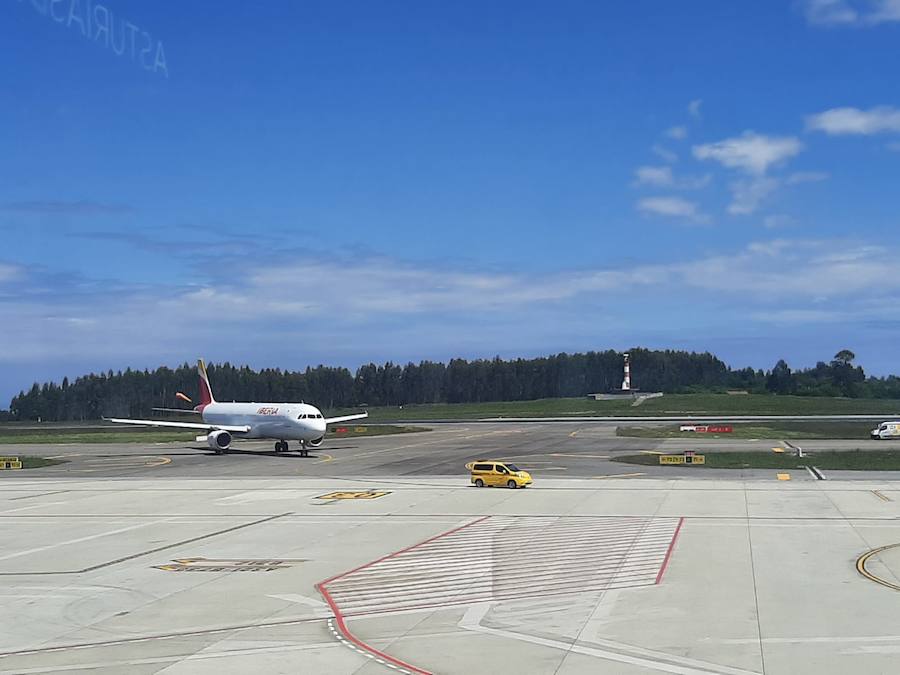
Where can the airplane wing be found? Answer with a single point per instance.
(345, 418)
(181, 425)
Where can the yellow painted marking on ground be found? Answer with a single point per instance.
(783, 476)
(777, 449)
(368, 494)
(127, 461)
(864, 558)
(562, 454)
(881, 496)
(226, 565)
(574, 433)
(325, 458)
(619, 475)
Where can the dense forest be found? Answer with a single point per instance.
(134, 393)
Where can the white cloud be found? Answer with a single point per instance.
(341, 304)
(694, 108)
(677, 133)
(662, 176)
(851, 12)
(806, 177)
(747, 195)
(8, 272)
(828, 269)
(777, 221)
(799, 316)
(671, 207)
(847, 121)
(750, 152)
(653, 175)
(694, 182)
(664, 154)
(830, 12)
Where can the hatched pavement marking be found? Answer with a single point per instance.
(498, 557)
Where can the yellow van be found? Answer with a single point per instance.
(493, 473)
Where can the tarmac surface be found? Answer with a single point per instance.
(547, 449)
(376, 556)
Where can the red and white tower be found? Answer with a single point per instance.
(626, 383)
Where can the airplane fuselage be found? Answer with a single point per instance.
(282, 421)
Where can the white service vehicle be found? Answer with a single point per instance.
(887, 430)
(223, 422)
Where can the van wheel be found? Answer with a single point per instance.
(479, 482)
(511, 484)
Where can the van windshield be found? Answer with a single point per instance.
(512, 467)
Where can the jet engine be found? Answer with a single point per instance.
(316, 442)
(219, 440)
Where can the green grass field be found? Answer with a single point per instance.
(850, 460)
(671, 404)
(31, 462)
(775, 430)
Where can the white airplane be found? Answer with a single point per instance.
(222, 422)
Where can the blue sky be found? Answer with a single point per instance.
(338, 183)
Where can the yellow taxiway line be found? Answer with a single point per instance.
(864, 558)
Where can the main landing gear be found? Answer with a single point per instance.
(282, 446)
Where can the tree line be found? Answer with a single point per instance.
(134, 393)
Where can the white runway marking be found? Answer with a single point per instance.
(302, 599)
(504, 557)
(621, 653)
(39, 549)
(33, 506)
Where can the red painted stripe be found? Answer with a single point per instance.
(662, 570)
(339, 617)
(403, 550)
(342, 626)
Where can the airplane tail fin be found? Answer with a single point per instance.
(206, 394)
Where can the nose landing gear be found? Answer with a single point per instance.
(304, 451)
